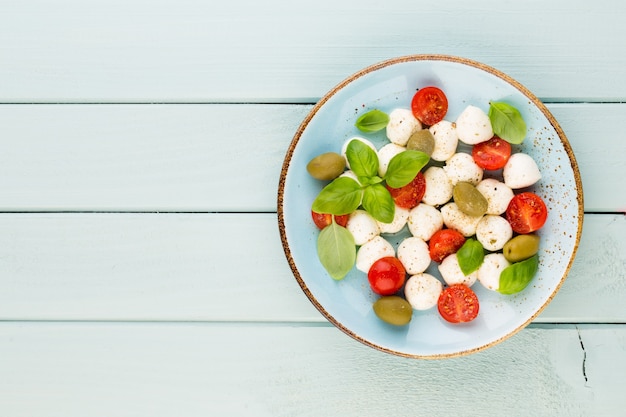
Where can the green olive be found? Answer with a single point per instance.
(394, 310)
(469, 200)
(521, 247)
(422, 140)
(326, 166)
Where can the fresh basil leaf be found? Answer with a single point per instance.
(370, 180)
(363, 160)
(403, 167)
(342, 196)
(470, 256)
(372, 121)
(378, 203)
(336, 250)
(507, 122)
(515, 277)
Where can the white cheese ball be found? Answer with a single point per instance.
(372, 251)
(454, 218)
(400, 217)
(362, 226)
(422, 291)
(461, 167)
(424, 220)
(521, 171)
(402, 124)
(344, 148)
(438, 186)
(446, 140)
(473, 126)
(350, 174)
(452, 274)
(414, 255)
(493, 232)
(490, 270)
(385, 154)
(497, 194)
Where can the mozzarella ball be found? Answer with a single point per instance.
(362, 226)
(497, 194)
(473, 126)
(461, 167)
(422, 291)
(350, 174)
(424, 220)
(454, 218)
(414, 255)
(400, 217)
(446, 140)
(520, 171)
(452, 274)
(346, 143)
(402, 124)
(372, 251)
(493, 232)
(385, 154)
(490, 270)
(438, 187)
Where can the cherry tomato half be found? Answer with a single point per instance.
(443, 243)
(492, 154)
(322, 220)
(411, 194)
(386, 276)
(458, 304)
(429, 105)
(526, 213)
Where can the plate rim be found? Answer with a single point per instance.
(413, 58)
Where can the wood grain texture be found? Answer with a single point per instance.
(274, 51)
(203, 157)
(221, 267)
(125, 369)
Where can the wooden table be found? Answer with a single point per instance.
(141, 270)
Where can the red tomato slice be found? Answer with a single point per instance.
(386, 276)
(322, 220)
(411, 194)
(458, 304)
(492, 154)
(445, 242)
(429, 105)
(526, 213)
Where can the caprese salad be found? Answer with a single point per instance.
(468, 211)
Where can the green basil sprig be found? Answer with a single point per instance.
(515, 277)
(336, 250)
(470, 256)
(344, 195)
(507, 122)
(372, 121)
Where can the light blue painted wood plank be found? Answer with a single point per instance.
(263, 370)
(274, 51)
(144, 157)
(201, 157)
(221, 267)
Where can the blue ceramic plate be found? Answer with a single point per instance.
(389, 85)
